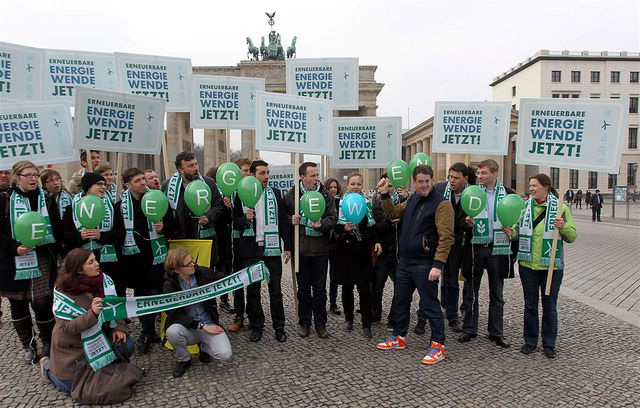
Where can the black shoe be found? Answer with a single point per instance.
(334, 309)
(255, 336)
(281, 336)
(455, 326)
(499, 340)
(465, 337)
(303, 331)
(528, 349)
(322, 332)
(204, 357)
(224, 305)
(549, 352)
(419, 329)
(144, 344)
(181, 368)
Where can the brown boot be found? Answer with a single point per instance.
(237, 324)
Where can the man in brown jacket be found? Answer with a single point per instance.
(423, 248)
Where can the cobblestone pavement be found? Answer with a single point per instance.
(598, 361)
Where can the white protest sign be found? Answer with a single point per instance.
(282, 177)
(471, 127)
(159, 77)
(36, 131)
(20, 72)
(221, 102)
(334, 79)
(294, 124)
(64, 70)
(581, 134)
(118, 122)
(366, 142)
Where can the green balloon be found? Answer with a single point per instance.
(197, 196)
(155, 205)
(30, 229)
(90, 211)
(419, 159)
(313, 205)
(249, 191)
(398, 173)
(473, 200)
(228, 177)
(510, 210)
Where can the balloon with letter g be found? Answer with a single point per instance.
(398, 173)
(228, 177)
(154, 205)
(354, 207)
(197, 195)
(473, 200)
(313, 205)
(30, 229)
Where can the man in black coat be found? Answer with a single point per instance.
(144, 269)
(460, 255)
(263, 244)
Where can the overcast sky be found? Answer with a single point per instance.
(425, 50)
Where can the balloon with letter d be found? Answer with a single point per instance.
(197, 195)
(473, 200)
(154, 205)
(398, 173)
(510, 210)
(354, 207)
(313, 205)
(30, 229)
(90, 211)
(228, 177)
(249, 191)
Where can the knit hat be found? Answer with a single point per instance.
(90, 179)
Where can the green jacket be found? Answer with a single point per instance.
(568, 233)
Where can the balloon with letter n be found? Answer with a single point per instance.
(154, 205)
(354, 207)
(398, 173)
(313, 205)
(30, 229)
(228, 178)
(510, 210)
(197, 195)
(249, 191)
(90, 211)
(473, 200)
(419, 159)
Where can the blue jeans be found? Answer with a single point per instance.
(533, 286)
(312, 275)
(66, 385)
(484, 260)
(408, 279)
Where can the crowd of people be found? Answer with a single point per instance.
(421, 240)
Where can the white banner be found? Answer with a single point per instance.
(221, 102)
(471, 127)
(366, 142)
(36, 131)
(118, 122)
(293, 124)
(21, 70)
(167, 78)
(334, 79)
(580, 134)
(64, 70)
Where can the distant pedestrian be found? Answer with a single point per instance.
(596, 206)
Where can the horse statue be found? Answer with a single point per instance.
(263, 50)
(252, 53)
(291, 50)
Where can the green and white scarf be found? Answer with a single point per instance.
(63, 200)
(108, 251)
(158, 242)
(306, 222)
(111, 192)
(173, 195)
(271, 231)
(95, 344)
(127, 307)
(27, 264)
(526, 233)
(481, 233)
(370, 220)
